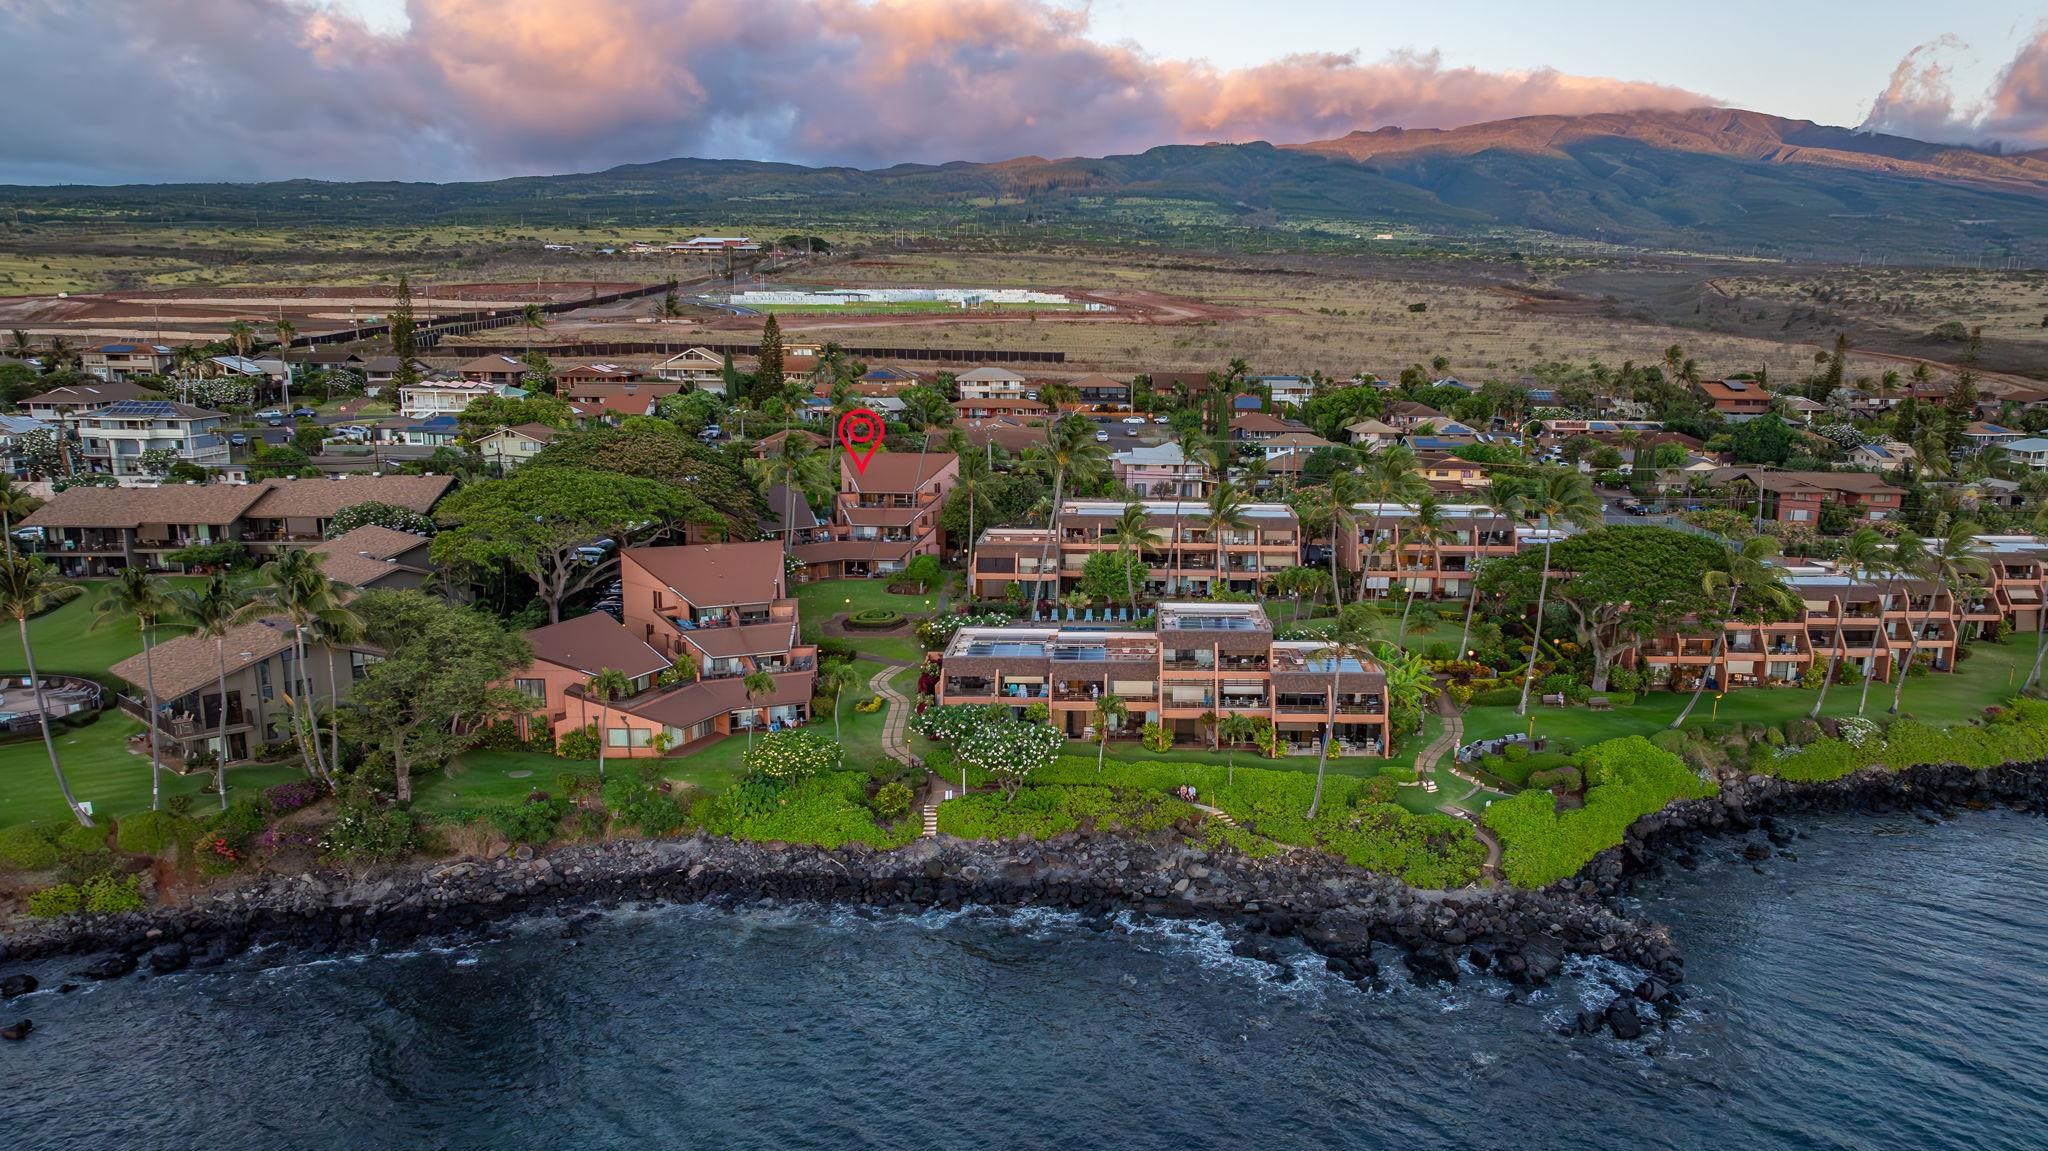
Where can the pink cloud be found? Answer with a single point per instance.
(1919, 102)
(270, 88)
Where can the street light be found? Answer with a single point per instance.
(1716, 713)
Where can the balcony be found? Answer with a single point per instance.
(183, 724)
(1077, 691)
(968, 686)
(1012, 692)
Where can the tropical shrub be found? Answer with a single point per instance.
(111, 893)
(826, 811)
(365, 832)
(1625, 778)
(1498, 697)
(286, 798)
(534, 822)
(2017, 733)
(793, 755)
(1156, 737)
(892, 801)
(63, 899)
(635, 799)
(578, 744)
(154, 832)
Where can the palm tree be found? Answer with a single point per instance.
(212, 610)
(1225, 513)
(1953, 556)
(336, 629)
(1339, 499)
(1343, 644)
(1110, 711)
(532, 319)
(134, 595)
(19, 346)
(606, 685)
(58, 355)
(796, 467)
(29, 587)
(1236, 728)
(972, 485)
(1188, 436)
(834, 677)
(241, 337)
(1745, 567)
(14, 504)
(186, 362)
(1133, 530)
(1504, 498)
(294, 586)
(1563, 494)
(758, 685)
(286, 333)
(1861, 552)
(1069, 450)
(1906, 556)
(1391, 479)
(1427, 531)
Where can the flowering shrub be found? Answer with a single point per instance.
(949, 722)
(1010, 750)
(216, 854)
(286, 798)
(793, 755)
(364, 832)
(933, 633)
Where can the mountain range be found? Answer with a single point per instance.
(1712, 179)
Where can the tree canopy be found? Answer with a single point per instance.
(1620, 585)
(656, 450)
(534, 520)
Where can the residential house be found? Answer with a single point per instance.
(62, 405)
(1796, 497)
(615, 401)
(1980, 435)
(429, 398)
(1736, 400)
(1799, 409)
(502, 370)
(263, 675)
(697, 368)
(1378, 543)
(92, 531)
(889, 377)
(114, 439)
(507, 448)
(124, 361)
(1885, 456)
(789, 517)
(294, 513)
(991, 383)
(573, 379)
(374, 557)
(990, 409)
(1160, 472)
(381, 372)
(772, 445)
(1258, 427)
(1184, 556)
(2031, 451)
(1200, 661)
(1370, 433)
(12, 428)
(1099, 392)
(695, 620)
(1188, 384)
(1288, 391)
(886, 514)
(1408, 415)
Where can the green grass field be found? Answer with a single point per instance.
(1993, 672)
(820, 601)
(67, 642)
(104, 773)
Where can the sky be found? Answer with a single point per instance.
(154, 90)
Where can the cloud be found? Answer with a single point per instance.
(264, 89)
(1918, 101)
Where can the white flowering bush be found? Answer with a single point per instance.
(950, 723)
(1858, 731)
(1010, 750)
(790, 756)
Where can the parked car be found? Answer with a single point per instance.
(270, 414)
(1134, 419)
(353, 432)
(1161, 420)
(1637, 510)
(303, 413)
(274, 421)
(1101, 437)
(238, 440)
(710, 432)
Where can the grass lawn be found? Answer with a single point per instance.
(1992, 673)
(101, 771)
(820, 601)
(487, 778)
(66, 642)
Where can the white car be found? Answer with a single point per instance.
(1134, 419)
(1101, 437)
(1161, 420)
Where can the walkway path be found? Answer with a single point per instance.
(1444, 748)
(896, 719)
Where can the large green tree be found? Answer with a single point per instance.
(533, 521)
(657, 450)
(439, 682)
(768, 365)
(1621, 586)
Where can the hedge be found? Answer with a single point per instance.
(1048, 811)
(827, 810)
(1626, 779)
(2016, 733)
(874, 619)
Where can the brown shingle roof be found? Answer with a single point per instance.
(752, 639)
(94, 393)
(317, 499)
(591, 643)
(133, 507)
(1262, 422)
(362, 556)
(716, 575)
(694, 703)
(898, 471)
(191, 661)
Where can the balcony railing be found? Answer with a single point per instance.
(182, 725)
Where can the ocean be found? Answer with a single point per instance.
(1886, 990)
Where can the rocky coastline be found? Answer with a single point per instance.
(1756, 806)
(1339, 911)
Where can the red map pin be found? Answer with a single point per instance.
(860, 432)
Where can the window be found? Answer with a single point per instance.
(1801, 515)
(533, 689)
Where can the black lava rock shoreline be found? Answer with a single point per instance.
(1339, 911)
(1752, 806)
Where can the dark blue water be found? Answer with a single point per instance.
(1888, 991)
